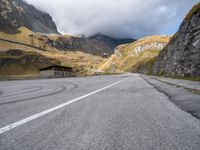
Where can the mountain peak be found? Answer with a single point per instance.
(17, 13)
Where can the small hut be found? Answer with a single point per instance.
(56, 71)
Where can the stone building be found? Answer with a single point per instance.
(56, 72)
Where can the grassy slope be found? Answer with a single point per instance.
(85, 63)
(26, 36)
(127, 59)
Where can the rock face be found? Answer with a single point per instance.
(17, 13)
(181, 57)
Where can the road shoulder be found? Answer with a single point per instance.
(185, 97)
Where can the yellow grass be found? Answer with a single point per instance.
(128, 58)
(77, 59)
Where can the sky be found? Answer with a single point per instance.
(116, 18)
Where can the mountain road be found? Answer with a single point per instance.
(114, 112)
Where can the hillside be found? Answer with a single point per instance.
(96, 45)
(181, 57)
(128, 56)
(26, 52)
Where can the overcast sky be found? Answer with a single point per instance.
(116, 18)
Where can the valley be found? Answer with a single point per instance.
(99, 75)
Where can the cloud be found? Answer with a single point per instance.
(116, 18)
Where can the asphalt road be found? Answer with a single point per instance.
(122, 112)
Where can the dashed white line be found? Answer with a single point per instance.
(26, 120)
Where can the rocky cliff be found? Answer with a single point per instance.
(17, 13)
(181, 57)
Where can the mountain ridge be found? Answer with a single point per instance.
(16, 14)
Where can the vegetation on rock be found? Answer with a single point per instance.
(129, 56)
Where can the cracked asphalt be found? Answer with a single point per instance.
(115, 112)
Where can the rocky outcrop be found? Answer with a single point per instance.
(181, 57)
(151, 46)
(17, 13)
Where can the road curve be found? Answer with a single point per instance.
(102, 112)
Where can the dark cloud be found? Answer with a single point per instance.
(116, 18)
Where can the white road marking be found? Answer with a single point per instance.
(26, 120)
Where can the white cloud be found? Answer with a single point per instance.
(116, 18)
